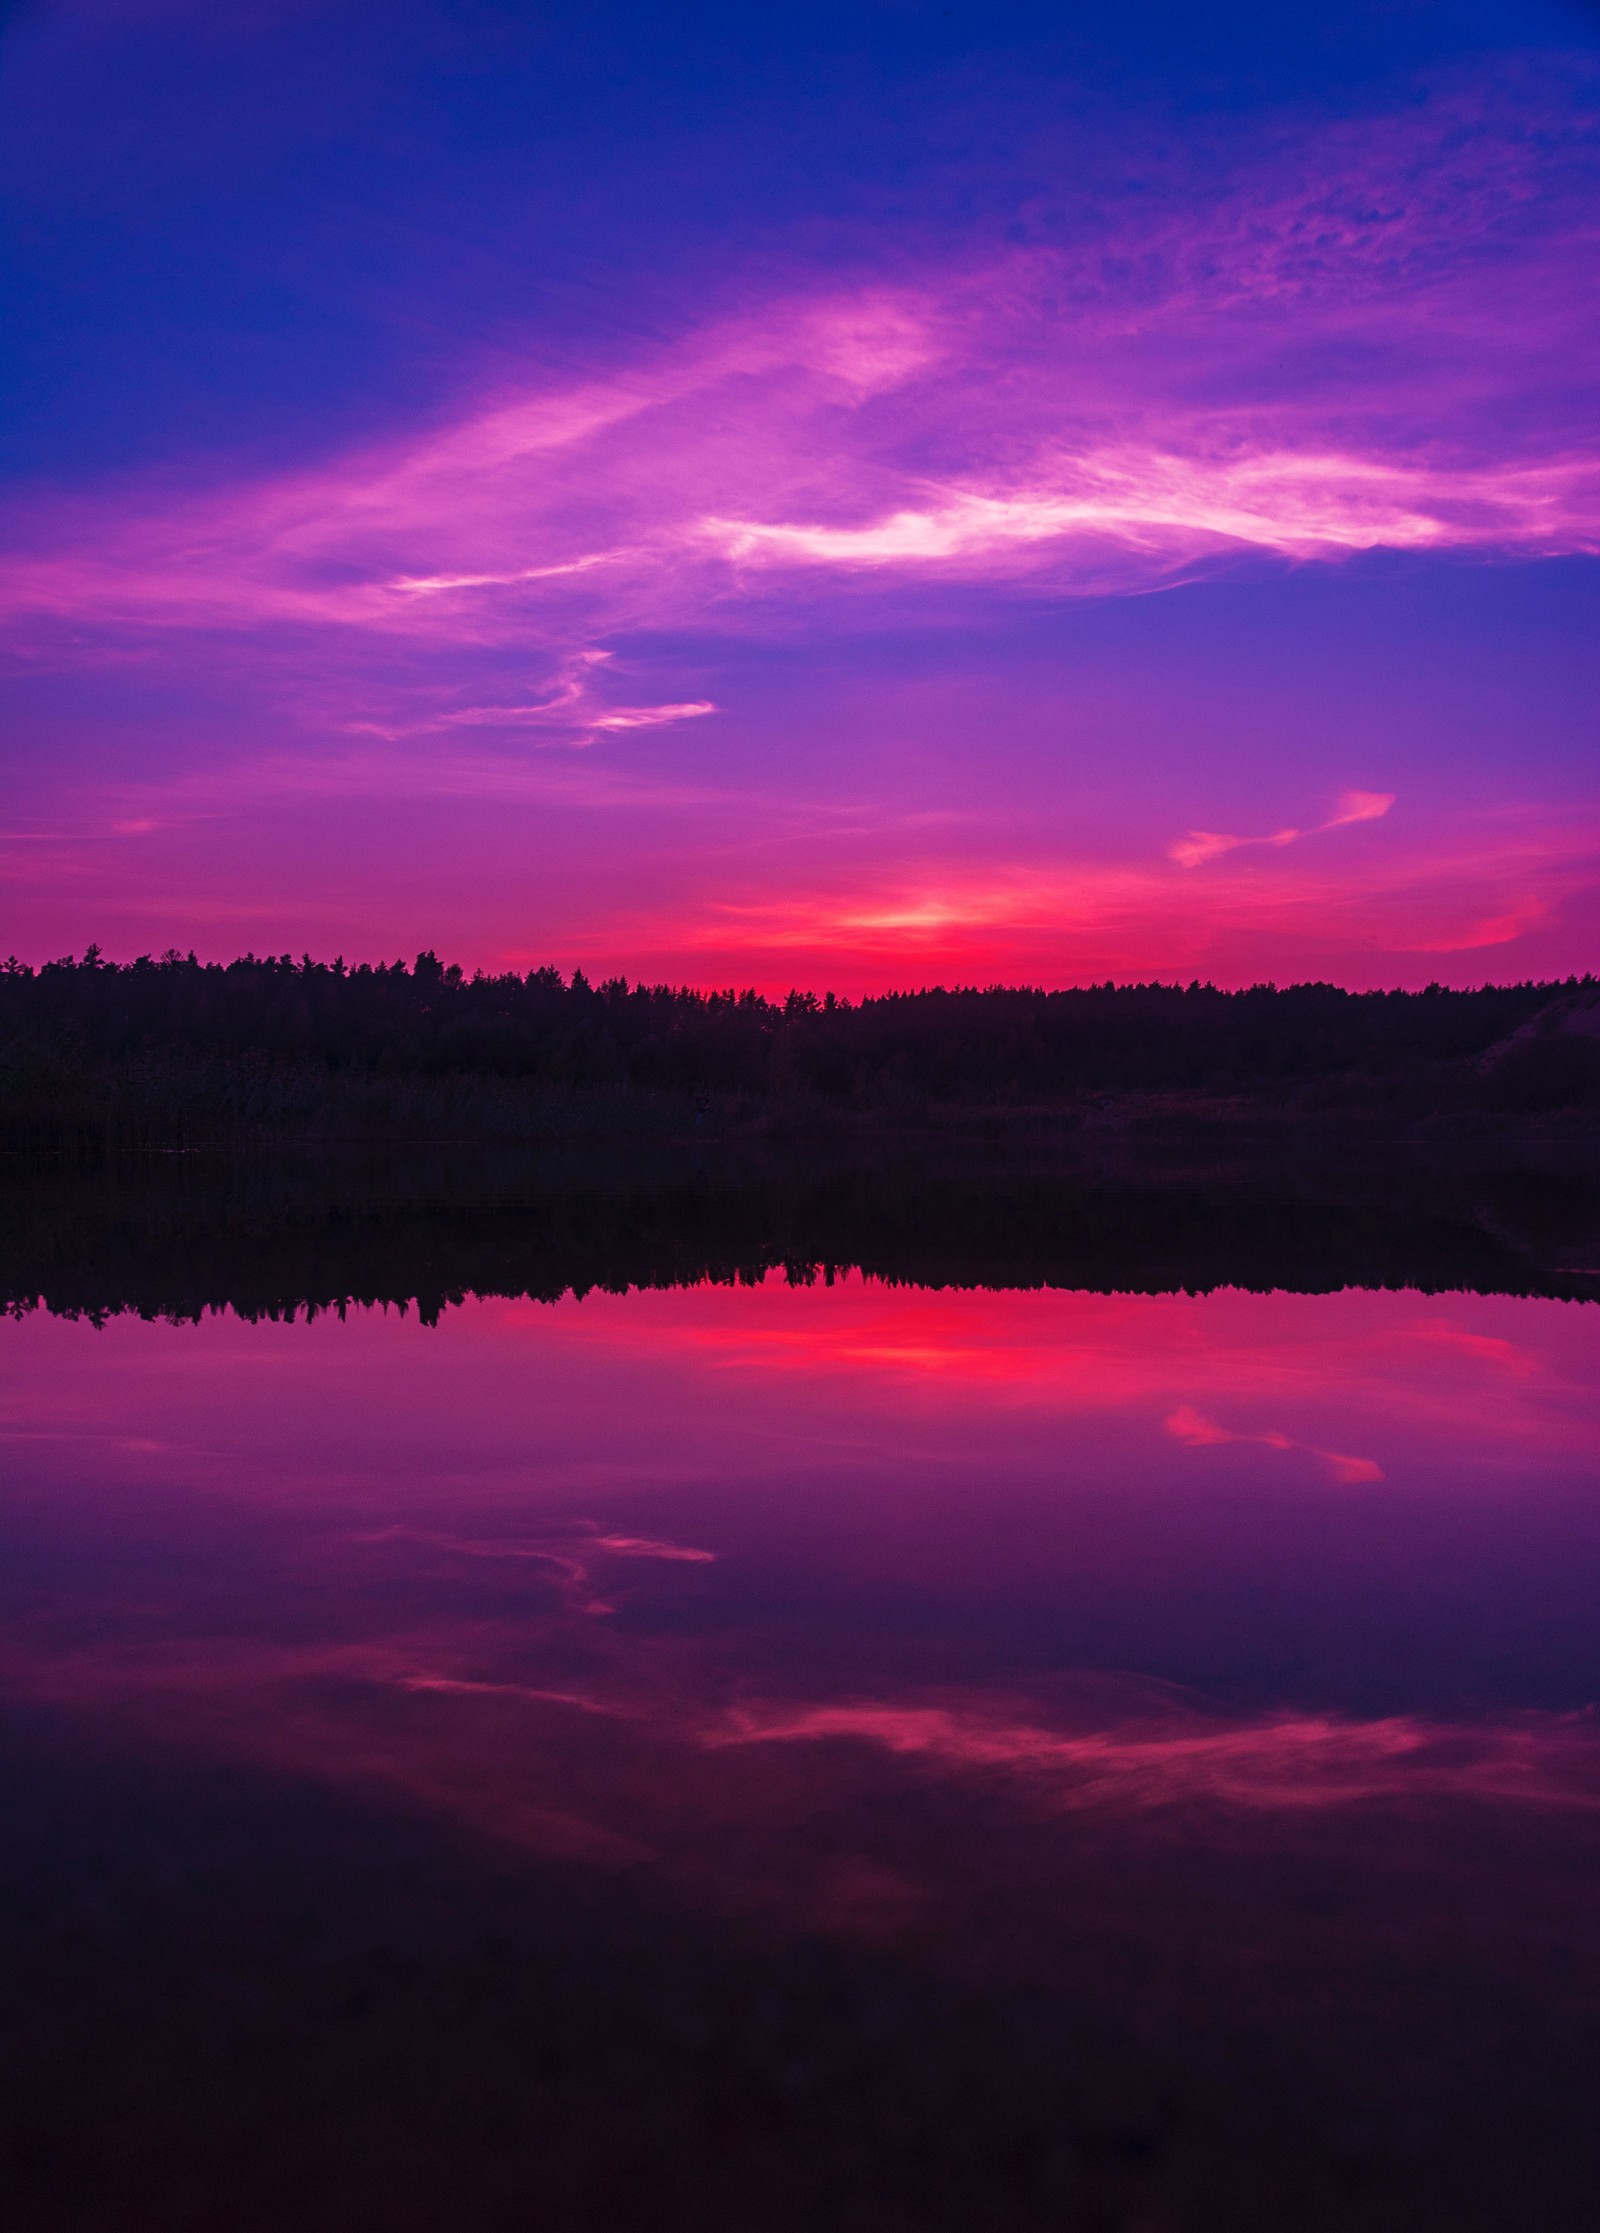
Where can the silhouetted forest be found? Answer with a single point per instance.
(274, 1043)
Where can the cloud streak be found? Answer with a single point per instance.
(1200, 846)
(1343, 349)
(571, 708)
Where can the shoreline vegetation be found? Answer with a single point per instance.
(282, 1138)
(267, 1053)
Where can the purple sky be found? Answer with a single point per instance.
(921, 494)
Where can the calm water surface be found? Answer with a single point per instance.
(1223, 1666)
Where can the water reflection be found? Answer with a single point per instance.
(818, 1501)
(1071, 1643)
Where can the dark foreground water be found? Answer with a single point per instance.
(822, 1755)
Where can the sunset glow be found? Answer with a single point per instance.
(1166, 547)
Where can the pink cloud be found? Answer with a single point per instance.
(1021, 419)
(1201, 846)
(571, 708)
(644, 1546)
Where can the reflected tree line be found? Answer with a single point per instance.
(174, 1237)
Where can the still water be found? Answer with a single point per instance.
(1194, 1694)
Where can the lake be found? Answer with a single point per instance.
(807, 1750)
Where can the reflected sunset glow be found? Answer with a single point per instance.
(603, 1578)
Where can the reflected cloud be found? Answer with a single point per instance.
(1194, 1429)
(1393, 1362)
(570, 1559)
(646, 1768)
(1281, 1761)
(715, 1583)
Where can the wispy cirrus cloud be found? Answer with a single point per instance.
(1361, 340)
(1200, 846)
(570, 709)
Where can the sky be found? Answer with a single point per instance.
(851, 497)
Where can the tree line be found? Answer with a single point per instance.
(1001, 1044)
